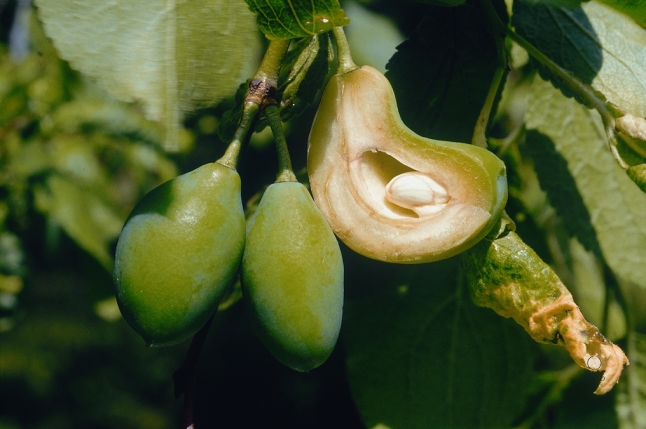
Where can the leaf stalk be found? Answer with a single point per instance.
(479, 134)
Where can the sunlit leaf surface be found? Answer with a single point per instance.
(171, 56)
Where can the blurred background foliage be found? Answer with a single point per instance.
(73, 162)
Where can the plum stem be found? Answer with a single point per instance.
(345, 57)
(285, 173)
(262, 92)
(270, 65)
(184, 376)
(230, 157)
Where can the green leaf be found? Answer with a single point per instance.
(631, 396)
(599, 203)
(578, 409)
(636, 9)
(422, 355)
(292, 19)
(28, 158)
(441, 75)
(173, 57)
(557, 3)
(599, 45)
(86, 218)
(589, 289)
(305, 70)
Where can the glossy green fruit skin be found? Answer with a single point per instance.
(178, 251)
(292, 277)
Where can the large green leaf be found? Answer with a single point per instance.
(631, 398)
(422, 355)
(599, 45)
(441, 75)
(578, 409)
(600, 205)
(171, 56)
(291, 19)
(636, 9)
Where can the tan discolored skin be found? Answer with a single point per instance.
(178, 251)
(506, 275)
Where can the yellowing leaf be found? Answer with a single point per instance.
(599, 203)
(173, 56)
(599, 45)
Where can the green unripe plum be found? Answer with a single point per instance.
(178, 251)
(292, 277)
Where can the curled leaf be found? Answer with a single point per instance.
(173, 57)
(507, 276)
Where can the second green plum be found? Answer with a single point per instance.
(292, 277)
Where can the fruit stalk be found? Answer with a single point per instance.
(230, 157)
(345, 57)
(263, 85)
(272, 60)
(262, 93)
(285, 173)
